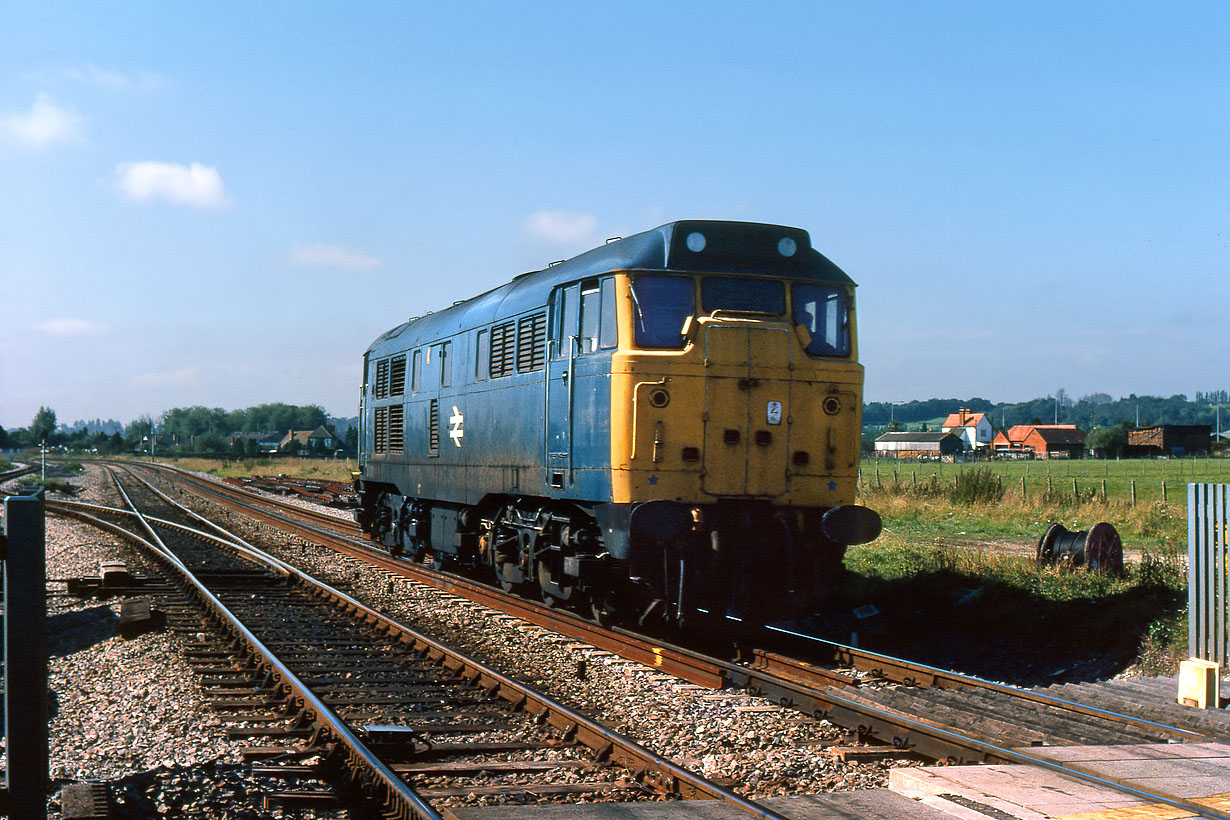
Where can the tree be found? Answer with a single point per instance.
(44, 424)
(4, 439)
(1106, 442)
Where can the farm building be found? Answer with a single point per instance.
(322, 438)
(1040, 441)
(930, 446)
(1169, 440)
(974, 429)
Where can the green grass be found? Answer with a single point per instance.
(957, 557)
(1058, 475)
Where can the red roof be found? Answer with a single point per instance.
(1049, 433)
(963, 418)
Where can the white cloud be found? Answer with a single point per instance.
(197, 185)
(166, 378)
(66, 328)
(562, 227)
(46, 123)
(113, 80)
(332, 256)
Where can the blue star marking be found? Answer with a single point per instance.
(832, 486)
(653, 479)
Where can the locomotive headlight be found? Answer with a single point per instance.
(696, 241)
(787, 247)
(659, 398)
(831, 405)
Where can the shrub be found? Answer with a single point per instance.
(978, 486)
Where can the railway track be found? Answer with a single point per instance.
(935, 713)
(408, 721)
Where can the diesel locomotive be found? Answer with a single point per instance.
(663, 426)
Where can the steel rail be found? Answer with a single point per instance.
(656, 771)
(910, 673)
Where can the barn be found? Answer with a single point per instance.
(924, 446)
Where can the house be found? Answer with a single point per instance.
(974, 429)
(322, 438)
(1040, 441)
(1168, 440)
(264, 442)
(926, 446)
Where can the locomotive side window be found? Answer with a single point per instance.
(444, 352)
(591, 307)
(661, 304)
(608, 331)
(824, 311)
(743, 295)
(416, 372)
(482, 350)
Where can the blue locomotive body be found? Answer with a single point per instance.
(611, 428)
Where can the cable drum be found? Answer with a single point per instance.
(1098, 548)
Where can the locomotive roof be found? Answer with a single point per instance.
(703, 246)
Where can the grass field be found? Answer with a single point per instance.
(954, 561)
(1089, 474)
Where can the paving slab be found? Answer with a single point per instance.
(1199, 772)
(871, 804)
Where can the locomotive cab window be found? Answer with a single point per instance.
(565, 306)
(416, 372)
(661, 305)
(824, 312)
(586, 312)
(608, 331)
(743, 295)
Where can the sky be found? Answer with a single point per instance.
(223, 204)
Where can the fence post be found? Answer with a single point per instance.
(1103, 491)
(25, 654)
(1024, 494)
(1163, 491)
(1133, 492)
(1076, 496)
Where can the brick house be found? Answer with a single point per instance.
(1044, 441)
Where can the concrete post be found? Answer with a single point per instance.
(25, 655)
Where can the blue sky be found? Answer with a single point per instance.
(223, 204)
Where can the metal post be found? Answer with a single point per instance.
(25, 655)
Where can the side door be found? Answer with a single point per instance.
(561, 354)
